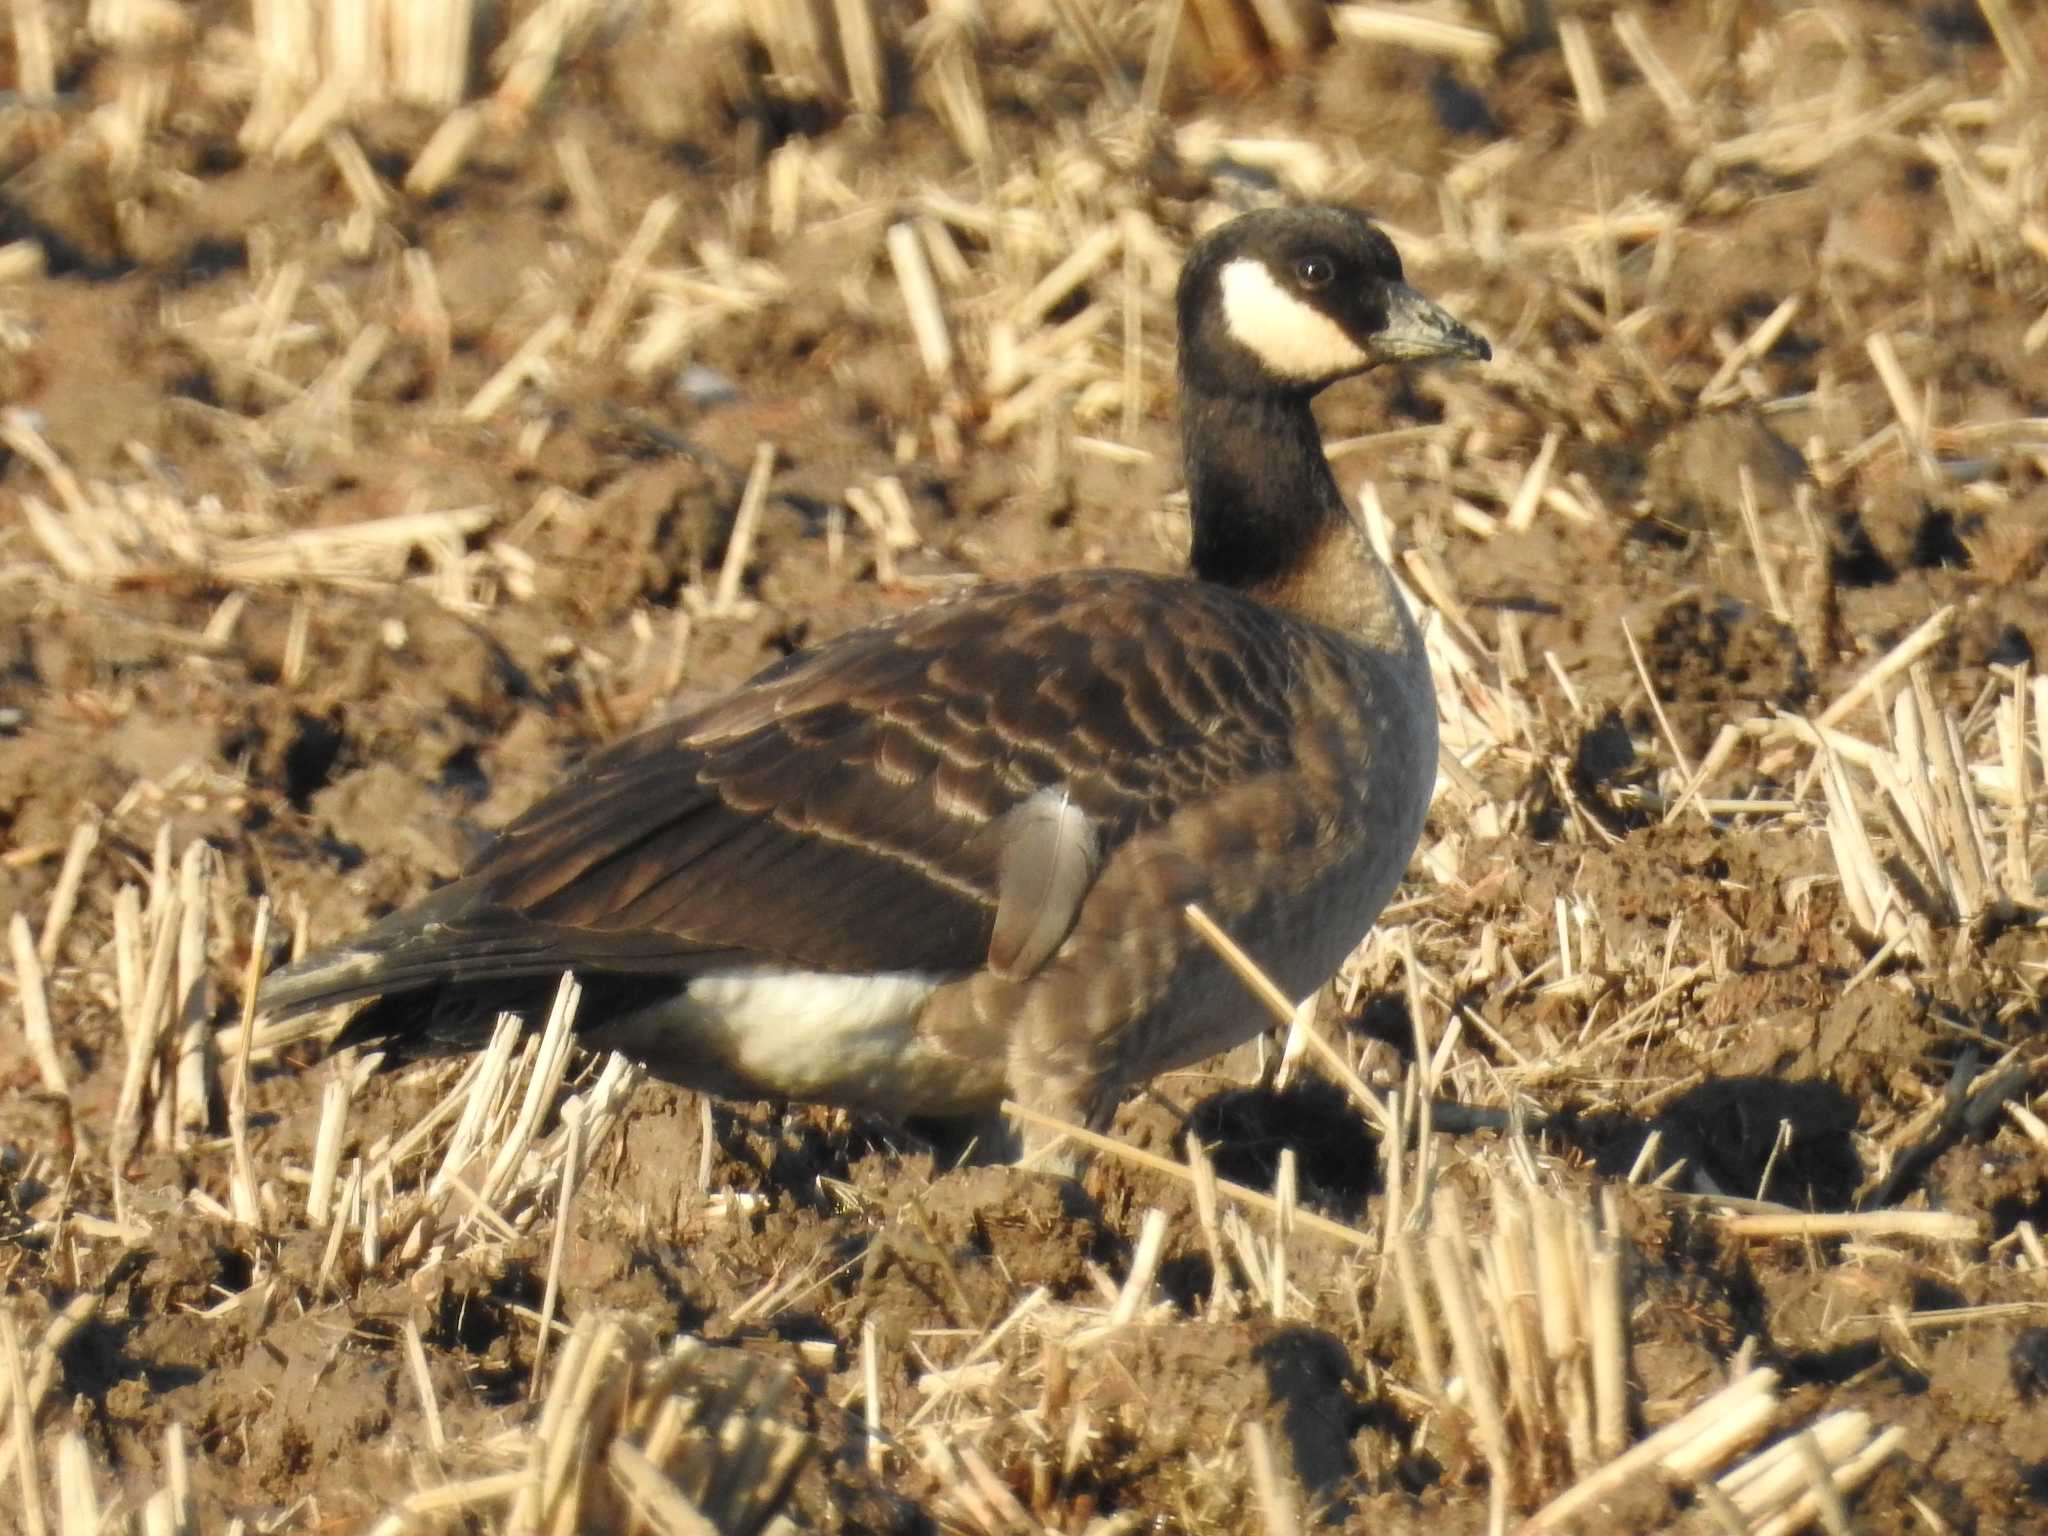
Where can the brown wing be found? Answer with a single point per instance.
(841, 811)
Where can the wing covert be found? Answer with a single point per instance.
(845, 811)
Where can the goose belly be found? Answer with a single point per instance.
(1302, 933)
(1299, 939)
(785, 1033)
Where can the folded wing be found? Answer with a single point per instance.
(899, 800)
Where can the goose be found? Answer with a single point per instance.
(943, 860)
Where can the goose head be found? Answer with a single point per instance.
(1286, 301)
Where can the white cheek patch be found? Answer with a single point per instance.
(1295, 340)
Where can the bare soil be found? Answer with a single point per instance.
(343, 745)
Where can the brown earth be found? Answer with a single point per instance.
(345, 744)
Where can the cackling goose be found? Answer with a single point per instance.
(943, 860)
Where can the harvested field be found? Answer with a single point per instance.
(398, 401)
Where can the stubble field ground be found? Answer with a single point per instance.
(390, 416)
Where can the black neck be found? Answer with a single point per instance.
(1260, 491)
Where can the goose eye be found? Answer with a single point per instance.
(1314, 272)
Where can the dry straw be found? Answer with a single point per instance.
(1035, 294)
(683, 1439)
(1536, 1317)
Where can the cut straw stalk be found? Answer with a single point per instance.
(551, 1062)
(35, 53)
(146, 1026)
(586, 191)
(1796, 148)
(358, 176)
(740, 546)
(898, 523)
(1422, 1328)
(242, 1181)
(1276, 1499)
(2022, 56)
(1820, 1477)
(423, 1384)
(1753, 346)
(1678, 756)
(1137, 1287)
(558, 1451)
(1939, 1319)
(1739, 1400)
(1583, 65)
(1563, 1312)
(1845, 1477)
(624, 281)
(445, 152)
(1767, 569)
(20, 432)
(1542, 1303)
(558, 1249)
(1452, 1272)
(1676, 100)
(860, 47)
(23, 1463)
(35, 1008)
(1521, 513)
(1135, 231)
(1922, 1226)
(1508, 1269)
(1078, 267)
(1018, 367)
(1283, 1231)
(1297, 1017)
(1266, 1205)
(1930, 632)
(1726, 741)
(1778, 1475)
(334, 1106)
(657, 1500)
(1905, 404)
(85, 838)
(78, 1502)
(526, 364)
(21, 261)
(1222, 1292)
(192, 1081)
(868, 509)
(1954, 798)
(23, 1387)
(921, 300)
(1606, 1291)
(873, 1438)
(2016, 770)
(996, 1495)
(1404, 28)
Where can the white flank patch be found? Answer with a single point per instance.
(811, 1032)
(1294, 339)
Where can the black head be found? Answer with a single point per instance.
(1289, 300)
